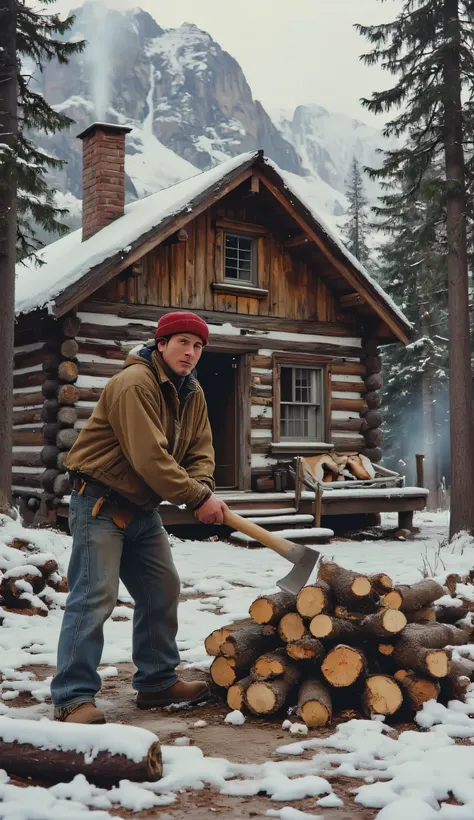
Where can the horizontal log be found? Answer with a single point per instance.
(89, 393)
(51, 362)
(35, 379)
(348, 369)
(373, 364)
(373, 438)
(259, 423)
(26, 460)
(260, 379)
(61, 485)
(264, 392)
(105, 351)
(27, 399)
(373, 453)
(61, 459)
(372, 419)
(370, 347)
(351, 425)
(270, 323)
(48, 478)
(373, 382)
(260, 445)
(29, 359)
(50, 410)
(344, 444)
(349, 405)
(373, 399)
(347, 387)
(101, 369)
(261, 401)
(27, 416)
(50, 431)
(261, 361)
(67, 416)
(27, 438)
(26, 479)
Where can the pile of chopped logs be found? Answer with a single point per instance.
(29, 579)
(347, 642)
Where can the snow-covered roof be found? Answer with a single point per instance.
(68, 260)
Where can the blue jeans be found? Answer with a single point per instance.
(103, 553)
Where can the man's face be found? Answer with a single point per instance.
(182, 352)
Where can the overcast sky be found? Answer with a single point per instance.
(291, 51)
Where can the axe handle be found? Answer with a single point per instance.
(287, 549)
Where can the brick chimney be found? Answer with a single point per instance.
(103, 175)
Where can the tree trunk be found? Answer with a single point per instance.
(269, 609)
(460, 393)
(8, 227)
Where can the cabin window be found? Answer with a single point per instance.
(301, 403)
(240, 259)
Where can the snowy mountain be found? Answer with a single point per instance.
(190, 107)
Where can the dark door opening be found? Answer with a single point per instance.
(217, 374)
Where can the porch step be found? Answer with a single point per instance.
(257, 513)
(304, 534)
(282, 519)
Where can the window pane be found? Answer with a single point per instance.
(286, 391)
(238, 258)
(301, 408)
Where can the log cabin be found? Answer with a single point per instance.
(293, 368)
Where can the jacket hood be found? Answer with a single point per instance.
(141, 354)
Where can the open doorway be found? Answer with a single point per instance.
(218, 376)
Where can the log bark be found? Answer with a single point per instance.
(422, 616)
(61, 765)
(28, 399)
(373, 382)
(381, 696)
(26, 460)
(47, 479)
(373, 364)
(50, 431)
(214, 641)
(410, 654)
(385, 623)
(373, 438)
(61, 485)
(50, 388)
(314, 703)
(291, 627)
(349, 587)
(313, 599)
(417, 596)
(269, 609)
(416, 689)
(245, 645)
(381, 583)
(373, 400)
(226, 671)
(305, 649)
(453, 614)
(51, 362)
(27, 438)
(270, 665)
(50, 410)
(49, 456)
(27, 417)
(372, 420)
(236, 693)
(11, 593)
(374, 454)
(267, 697)
(343, 666)
(456, 684)
(327, 627)
(437, 636)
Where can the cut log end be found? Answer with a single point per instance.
(382, 695)
(381, 583)
(321, 626)
(214, 641)
(437, 663)
(261, 698)
(343, 665)
(361, 587)
(312, 600)
(223, 672)
(393, 600)
(261, 611)
(386, 648)
(315, 714)
(291, 627)
(393, 621)
(236, 694)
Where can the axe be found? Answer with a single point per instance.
(303, 558)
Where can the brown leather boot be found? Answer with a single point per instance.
(182, 692)
(79, 713)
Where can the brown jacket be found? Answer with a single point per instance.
(139, 442)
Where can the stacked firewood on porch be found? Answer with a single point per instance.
(29, 579)
(348, 644)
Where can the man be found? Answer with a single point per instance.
(148, 439)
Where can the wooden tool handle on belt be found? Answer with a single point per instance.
(292, 552)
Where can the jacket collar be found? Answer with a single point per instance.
(190, 384)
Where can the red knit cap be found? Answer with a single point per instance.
(182, 322)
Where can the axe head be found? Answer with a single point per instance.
(299, 575)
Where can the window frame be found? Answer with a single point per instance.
(304, 360)
(228, 280)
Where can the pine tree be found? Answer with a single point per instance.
(28, 38)
(429, 48)
(356, 226)
(39, 39)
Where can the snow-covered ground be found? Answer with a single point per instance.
(407, 775)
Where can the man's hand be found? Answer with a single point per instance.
(212, 511)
